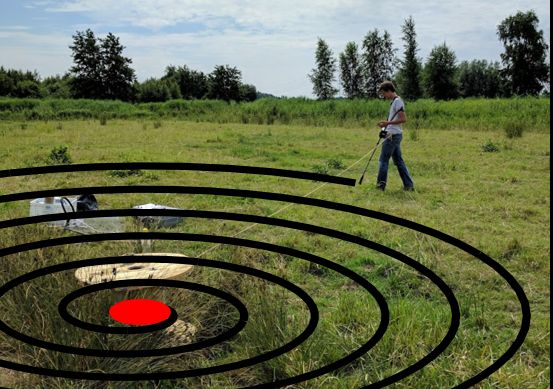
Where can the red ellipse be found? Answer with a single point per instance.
(139, 312)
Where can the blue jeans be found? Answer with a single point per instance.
(392, 148)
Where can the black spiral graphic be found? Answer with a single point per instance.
(236, 303)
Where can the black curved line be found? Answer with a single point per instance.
(498, 268)
(210, 167)
(241, 323)
(434, 278)
(205, 238)
(62, 309)
(314, 315)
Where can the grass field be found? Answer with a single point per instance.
(496, 201)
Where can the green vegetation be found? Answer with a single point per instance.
(490, 147)
(440, 74)
(497, 202)
(526, 51)
(59, 156)
(322, 77)
(525, 69)
(514, 129)
(467, 114)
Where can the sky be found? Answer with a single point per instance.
(272, 42)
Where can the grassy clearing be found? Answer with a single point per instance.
(496, 201)
(469, 114)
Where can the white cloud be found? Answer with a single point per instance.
(272, 42)
(48, 54)
(302, 15)
(16, 28)
(280, 15)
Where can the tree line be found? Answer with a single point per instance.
(524, 69)
(101, 71)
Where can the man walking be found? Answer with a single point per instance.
(391, 147)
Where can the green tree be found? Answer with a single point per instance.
(350, 72)
(87, 68)
(377, 61)
(224, 83)
(409, 75)
(322, 76)
(479, 78)
(27, 88)
(525, 56)
(18, 83)
(153, 91)
(6, 83)
(440, 74)
(248, 92)
(116, 74)
(57, 87)
(192, 84)
(100, 70)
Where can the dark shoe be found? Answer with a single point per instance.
(381, 187)
(409, 189)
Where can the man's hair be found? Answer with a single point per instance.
(387, 86)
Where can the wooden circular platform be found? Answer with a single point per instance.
(129, 271)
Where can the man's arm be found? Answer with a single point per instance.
(402, 118)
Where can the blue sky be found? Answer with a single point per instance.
(271, 42)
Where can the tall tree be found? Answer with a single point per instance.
(377, 61)
(525, 53)
(224, 83)
(479, 78)
(100, 70)
(322, 76)
(117, 75)
(87, 69)
(350, 71)
(440, 74)
(409, 76)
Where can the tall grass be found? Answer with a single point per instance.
(33, 310)
(468, 114)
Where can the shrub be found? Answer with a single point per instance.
(514, 129)
(59, 156)
(335, 164)
(126, 173)
(490, 147)
(321, 169)
(414, 135)
(74, 114)
(514, 248)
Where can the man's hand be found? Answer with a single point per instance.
(383, 124)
